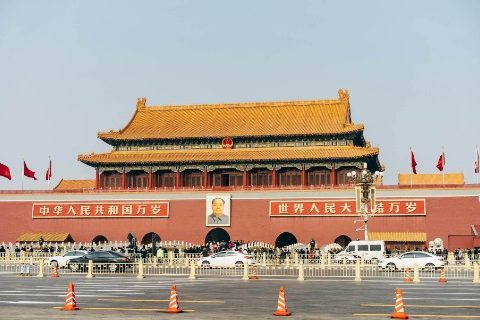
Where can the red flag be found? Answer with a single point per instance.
(5, 171)
(441, 162)
(477, 163)
(27, 172)
(414, 163)
(48, 174)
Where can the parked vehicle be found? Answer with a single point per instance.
(424, 260)
(373, 250)
(110, 260)
(61, 261)
(226, 259)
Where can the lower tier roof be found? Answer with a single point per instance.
(249, 155)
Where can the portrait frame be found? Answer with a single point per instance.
(210, 220)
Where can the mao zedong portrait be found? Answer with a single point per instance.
(217, 216)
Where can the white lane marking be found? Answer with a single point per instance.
(29, 302)
(446, 299)
(12, 291)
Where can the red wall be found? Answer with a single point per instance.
(448, 218)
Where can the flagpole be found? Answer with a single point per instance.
(48, 181)
(443, 164)
(477, 162)
(23, 171)
(411, 174)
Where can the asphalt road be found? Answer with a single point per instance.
(112, 297)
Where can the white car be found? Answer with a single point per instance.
(226, 259)
(61, 261)
(424, 260)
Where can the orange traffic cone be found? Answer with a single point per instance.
(282, 304)
(173, 306)
(399, 311)
(254, 273)
(408, 277)
(442, 278)
(55, 271)
(70, 302)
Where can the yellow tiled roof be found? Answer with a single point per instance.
(229, 155)
(431, 179)
(75, 184)
(398, 236)
(315, 117)
(47, 237)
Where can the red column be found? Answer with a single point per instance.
(274, 177)
(150, 179)
(124, 180)
(97, 179)
(334, 176)
(178, 179)
(205, 178)
(245, 178)
(304, 177)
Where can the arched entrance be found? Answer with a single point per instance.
(217, 235)
(343, 240)
(150, 238)
(285, 239)
(99, 239)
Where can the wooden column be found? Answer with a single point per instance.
(304, 177)
(334, 176)
(150, 179)
(124, 180)
(245, 178)
(205, 178)
(97, 179)
(178, 179)
(274, 178)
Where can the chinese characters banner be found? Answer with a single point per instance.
(409, 207)
(151, 209)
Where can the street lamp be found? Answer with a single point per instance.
(365, 193)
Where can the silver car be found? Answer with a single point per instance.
(226, 259)
(61, 261)
(424, 260)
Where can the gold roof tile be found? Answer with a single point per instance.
(230, 155)
(398, 236)
(314, 117)
(47, 237)
(407, 179)
(75, 184)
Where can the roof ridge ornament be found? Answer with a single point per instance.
(141, 102)
(343, 95)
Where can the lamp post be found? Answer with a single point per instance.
(364, 193)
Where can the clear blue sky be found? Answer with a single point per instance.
(69, 69)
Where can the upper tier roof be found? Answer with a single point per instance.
(315, 117)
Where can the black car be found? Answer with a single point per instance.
(108, 260)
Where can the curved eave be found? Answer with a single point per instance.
(241, 155)
(114, 138)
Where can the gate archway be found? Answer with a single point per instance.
(343, 240)
(99, 239)
(217, 235)
(285, 239)
(150, 237)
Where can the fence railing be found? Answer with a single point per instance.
(187, 267)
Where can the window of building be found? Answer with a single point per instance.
(111, 180)
(137, 179)
(261, 178)
(165, 179)
(319, 177)
(291, 177)
(342, 177)
(193, 179)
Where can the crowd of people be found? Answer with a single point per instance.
(212, 247)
